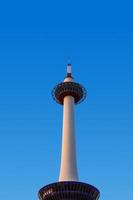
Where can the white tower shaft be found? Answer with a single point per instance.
(68, 170)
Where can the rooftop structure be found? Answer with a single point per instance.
(68, 93)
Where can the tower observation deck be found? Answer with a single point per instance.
(68, 93)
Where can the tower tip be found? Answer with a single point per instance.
(69, 70)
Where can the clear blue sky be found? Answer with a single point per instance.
(36, 40)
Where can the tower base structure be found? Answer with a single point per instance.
(69, 190)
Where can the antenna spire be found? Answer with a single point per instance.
(69, 70)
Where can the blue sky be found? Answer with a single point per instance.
(36, 40)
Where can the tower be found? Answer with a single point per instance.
(68, 93)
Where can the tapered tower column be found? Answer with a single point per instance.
(68, 170)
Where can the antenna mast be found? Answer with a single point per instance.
(69, 70)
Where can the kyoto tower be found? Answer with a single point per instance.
(68, 93)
